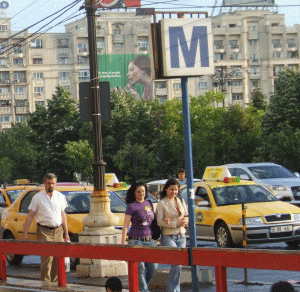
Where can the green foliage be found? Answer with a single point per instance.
(7, 166)
(259, 100)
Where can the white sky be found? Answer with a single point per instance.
(25, 13)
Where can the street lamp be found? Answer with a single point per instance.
(158, 120)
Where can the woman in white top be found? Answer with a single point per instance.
(172, 217)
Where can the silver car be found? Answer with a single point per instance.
(281, 182)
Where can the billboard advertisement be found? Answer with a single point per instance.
(118, 3)
(127, 73)
(251, 3)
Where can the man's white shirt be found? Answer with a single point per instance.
(48, 211)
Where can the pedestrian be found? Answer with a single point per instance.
(113, 284)
(172, 217)
(140, 213)
(47, 207)
(282, 286)
(181, 176)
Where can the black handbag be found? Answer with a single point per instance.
(156, 232)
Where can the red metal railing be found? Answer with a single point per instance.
(219, 258)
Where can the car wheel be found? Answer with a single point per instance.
(223, 236)
(293, 243)
(13, 259)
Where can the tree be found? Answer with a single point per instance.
(259, 100)
(284, 106)
(52, 128)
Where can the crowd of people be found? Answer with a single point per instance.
(48, 209)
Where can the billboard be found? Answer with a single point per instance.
(127, 73)
(118, 3)
(252, 3)
(186, 47)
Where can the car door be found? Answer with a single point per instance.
(203, 210)
(20, 217)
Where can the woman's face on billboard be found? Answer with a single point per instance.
(135, 74)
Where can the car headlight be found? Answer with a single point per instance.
(252, 221)
(279, 188)
(296, 217)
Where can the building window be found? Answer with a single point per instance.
(176, 86)
(63, 43)
(19, 89)
(37, 61)
(159, 85)
(3, 76)
(19, 75)
(118, 47)
(38, 75)
(36, 44)
(101, 44)
(18, 61)
(5, 103)
(5, 119)
(18, 50)
(276, 55)
(84, 74)
(202, 85)
(21, 103)
(291, 43)
(276, 43)
(233, 44)
(219, 56)
(277, 70)
(235, 56)
(117, 31)
(219, 44)
(3, 27)
(236, 83)
(142, 43)
(237, 96)
(3, 62)
(253, 43)
(4, 90)
(254, 83)
(64, 74)
(254, 70)
(21, 118)
(253, 58)
(292, 55)
(83, 60)
(252, 28)
(39, 103)
(232, 25)
(38, 89)
(63, 60)
(82, 47)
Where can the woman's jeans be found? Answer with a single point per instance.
(146, 270)
(173, 283)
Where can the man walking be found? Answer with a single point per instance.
(48, 208)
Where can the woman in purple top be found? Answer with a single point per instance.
(140, 213)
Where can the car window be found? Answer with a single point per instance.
(271, 171)
(201, 193)
(26, 201)
(232, 171)
(240, 171)
(183, 194)
(2, 200)
(79, 202)
(238, 194)
(14, 194)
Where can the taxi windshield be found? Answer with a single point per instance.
(239, 194)
(79, 202)
(14, 194)
(270, 171)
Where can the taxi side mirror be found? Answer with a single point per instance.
(245, 177)
(203, 204)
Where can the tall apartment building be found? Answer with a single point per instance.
(251, 48)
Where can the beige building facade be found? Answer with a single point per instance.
(251, 48)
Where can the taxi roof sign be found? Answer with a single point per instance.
(216, 173)
(111, 179)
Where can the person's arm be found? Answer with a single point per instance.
(27, 223)
(127, 220)
(65, 226)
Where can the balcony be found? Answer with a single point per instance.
(118, 38)
(235, 48)
(18, 55)
(237, 89)
(254, 75)
(292, 47)
(5, 126)
(20, 96)
(240, 102)
(254, 61)
(21, 109)
(5, 96)
(5, 110)
(277, 47)
(219, 49)
(252, 35)
(83, 52)
(161, 91)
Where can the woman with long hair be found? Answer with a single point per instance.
(172, 217)
(140, 213)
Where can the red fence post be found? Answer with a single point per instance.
(133, 277)
(221, 281)
(3, 275)
(61, 272)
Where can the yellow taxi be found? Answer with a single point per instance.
(78, 198)
(113, 184)
(219, 198)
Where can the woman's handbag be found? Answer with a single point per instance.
(156, 232)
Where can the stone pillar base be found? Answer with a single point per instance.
(92, 268)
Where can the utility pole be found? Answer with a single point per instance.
(99, 223)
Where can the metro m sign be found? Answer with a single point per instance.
(187, 48)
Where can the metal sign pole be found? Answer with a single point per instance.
(189, 172)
